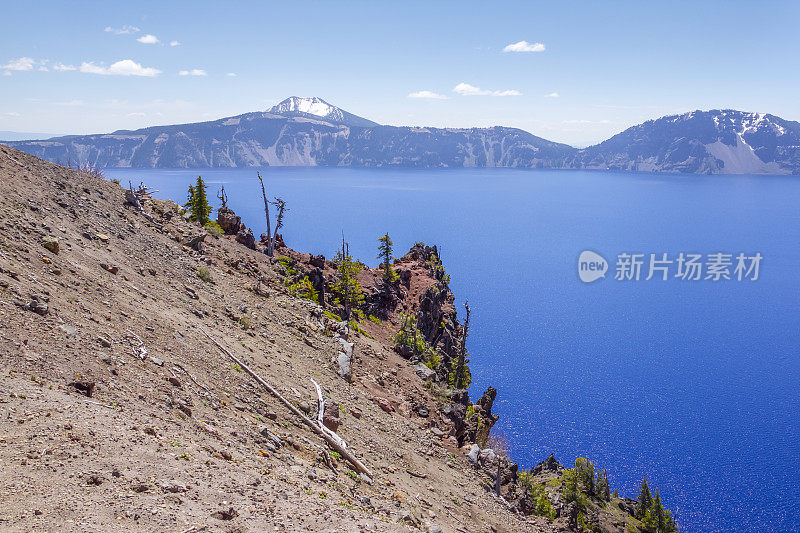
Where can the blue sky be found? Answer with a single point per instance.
(605, 65)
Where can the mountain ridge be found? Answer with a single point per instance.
(312, 132)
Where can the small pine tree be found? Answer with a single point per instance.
(585, 471)
(197, 203)
(385, 254)
(603, 487)
(571, 485)
(644, 501)
(201, 208)
(657, 512)
(461, 377)
(347, 287)
(189, 199)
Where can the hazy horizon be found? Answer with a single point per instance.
(576, 74)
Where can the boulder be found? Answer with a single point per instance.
(196, 242)
(331, 418)
(50, 243)
(229, 222)
(84, 387)
(474, 451)
(318, 281)
(345, 366)
(548, 465)
(245, 237)
(423, 371)
(404, 351)
(384, 404)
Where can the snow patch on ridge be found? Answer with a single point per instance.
(741, 159)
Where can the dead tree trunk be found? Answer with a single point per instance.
(280, 205)
(334, 442)
(266, 211)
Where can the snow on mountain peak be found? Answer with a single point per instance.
(313, 107)
(310, 106)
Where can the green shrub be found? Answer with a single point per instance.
(409, 335)
(288, 264)
(213, 228)
(204, 273)
(304, 289)
(332, 316)
(433, 360)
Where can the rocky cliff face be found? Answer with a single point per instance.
(300, 139)
(701, 142)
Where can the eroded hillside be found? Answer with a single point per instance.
(122, 413)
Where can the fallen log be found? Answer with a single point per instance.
(332, 442)
(321, 415)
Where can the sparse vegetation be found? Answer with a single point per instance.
(303, 288)
(409, 335)
(460, 377)
(538, 494)
(204, 273)
(213, 228)
(87, 168)
(651, 512)
(288, 264)
(435, 263)
(332, 316)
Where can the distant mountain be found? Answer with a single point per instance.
(317, 108)
(310, 131)
(22, 135)
(298, 132)
(701, 142)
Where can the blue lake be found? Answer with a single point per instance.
(693, 383)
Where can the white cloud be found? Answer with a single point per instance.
(148, 39)
(552, 95)
(193, 72)
(23, 63)
(60, 67)
(465, 89)
(231, 74)
(427, 94)
(123, 30)
(524, 46)
(44, 69)
(125, 67)
(7, 73)
(174, 43)
(136, 115)
(12, 114)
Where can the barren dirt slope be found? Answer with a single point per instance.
(174, 436)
